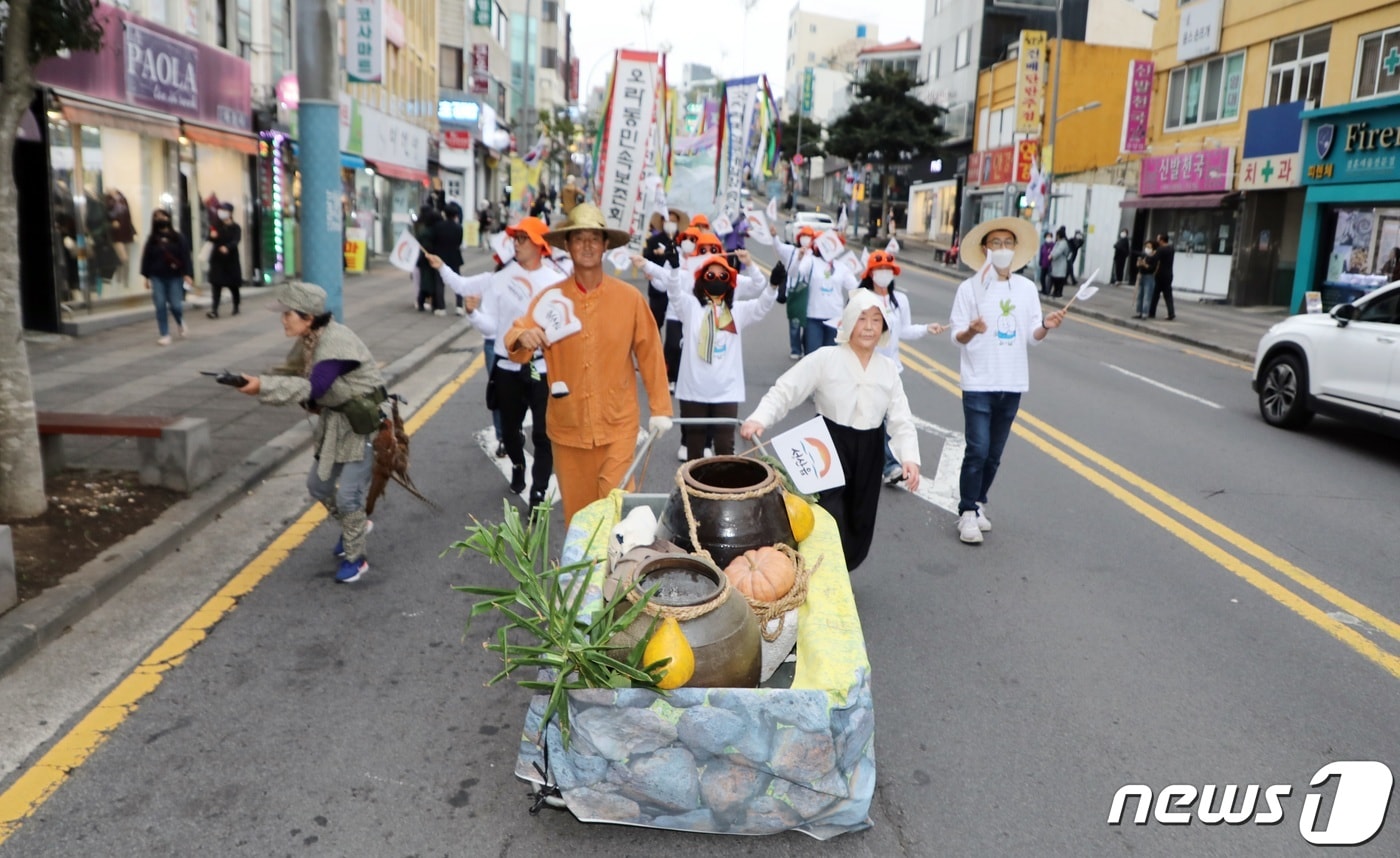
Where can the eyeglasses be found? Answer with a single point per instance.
(1001, 244)
(716, 274)
(708, 248)
(520, 238)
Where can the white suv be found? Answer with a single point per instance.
(1345, 364)
(819, 221)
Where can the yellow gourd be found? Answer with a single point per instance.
(799, 516)
(668, 641)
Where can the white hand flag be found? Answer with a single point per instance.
(722, 226)
(406, 251)
(620, 258)
(1086, 291)
(772, 210)
(503, 246)
(841, 220)
(893, 247)
(808, 454)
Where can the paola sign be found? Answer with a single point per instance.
(160, 72)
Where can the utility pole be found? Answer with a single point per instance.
(318, 75)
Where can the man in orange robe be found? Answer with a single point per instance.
(603, 335)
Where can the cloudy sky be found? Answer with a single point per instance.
(712, 32)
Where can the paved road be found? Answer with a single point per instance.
(1172, 593)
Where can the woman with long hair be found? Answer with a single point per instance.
(167, 267)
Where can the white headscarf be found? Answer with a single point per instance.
(862, 300)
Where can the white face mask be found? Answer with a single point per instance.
(1001, 258)
(671, 227)
(882, 277)
(225, 215)
(688, 246)
(805, 241)
(1146, 248)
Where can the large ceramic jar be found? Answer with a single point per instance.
(724, 635)
(736, 504)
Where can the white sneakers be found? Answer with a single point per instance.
(163, 341)
(184, 331)
(461, 311)
(439, 312)
(968, 531)
(983, 523)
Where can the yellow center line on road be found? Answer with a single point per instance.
(1046, 438)
(43, 778)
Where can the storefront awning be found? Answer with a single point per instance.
(245, 143)
(1180, 201)
(394, 171)
(351, 162)
(100, 114)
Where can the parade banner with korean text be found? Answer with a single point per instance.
(627, 137)
(1030, 82)
(364, 41)
(736, 128)
(1137, 107)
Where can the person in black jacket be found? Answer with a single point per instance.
(661, 248)
(1076, 244)
(1122, 252)
(1166, 256)
(447, 244)
(166, 265)
(225, 266)
(429, 283)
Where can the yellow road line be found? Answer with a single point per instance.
(40, 781)
(940, 375)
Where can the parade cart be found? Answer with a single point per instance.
(797, 752)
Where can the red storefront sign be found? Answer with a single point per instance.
(481, 68)
(457, 139)
(1026, 152)
(1004, 165)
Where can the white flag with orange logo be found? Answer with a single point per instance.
(809, 456)
(404, 256)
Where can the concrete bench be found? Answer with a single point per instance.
(175, 452)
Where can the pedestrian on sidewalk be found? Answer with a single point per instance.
(994, 366)
(1122, 253)
(880, 271)
(331, 373)
(1166, 259)
(1059, 264)
(167, 267)
(1076, 244)
(593, 410)
(1046, 246)
(518, 386)
(1147, 279)
(430, 289)
(859, 395)
(711, 381)
(225, 266)
(447, 246)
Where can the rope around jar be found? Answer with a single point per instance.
(794, 598)
(682, 612)
(694, 527)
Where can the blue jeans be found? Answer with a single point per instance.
(168, 294)
(796, 328)
(819, 334)
(987, 419)
(890, 460)
(490, 351)
(1147, 286)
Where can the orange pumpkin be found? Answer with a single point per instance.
(765, 574)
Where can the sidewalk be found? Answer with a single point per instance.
(123, 371)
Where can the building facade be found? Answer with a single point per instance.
(826, 44)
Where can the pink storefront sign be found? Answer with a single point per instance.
(1137, 106)
(1187, 172)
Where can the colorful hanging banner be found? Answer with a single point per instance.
(628, 138)
(735, 127)
(1137, 107)
(1030, 82)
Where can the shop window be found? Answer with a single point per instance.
(935, 60)
(962, 52)
(1296, 67)
(449, 67)
(1205, 93)
(1378, 64)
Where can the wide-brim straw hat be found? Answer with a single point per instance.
(682, 219)
(1027, 242)
(586, 216)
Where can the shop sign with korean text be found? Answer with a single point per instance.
(1137, 107)
(1270, 172)
(364, 41)
(992, 167)
(392, 141)
(1198, 34)
(481, 12)
(1186, 172)
(1361, 145)
(1030, 82)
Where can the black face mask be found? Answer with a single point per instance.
(162, 224)
(716, 288)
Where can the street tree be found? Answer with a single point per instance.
(885, 126)
(561, 131)
(811, 137)
(32, 31)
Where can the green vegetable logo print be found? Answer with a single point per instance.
(1006, 323)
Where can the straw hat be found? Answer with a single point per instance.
(682, 219)
(1027, 241)
(586, 216)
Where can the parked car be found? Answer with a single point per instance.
(816, 220)
(1345, 364)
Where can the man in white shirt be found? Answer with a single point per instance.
(996, 316)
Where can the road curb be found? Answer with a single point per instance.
(1130, 324)
(26, 628)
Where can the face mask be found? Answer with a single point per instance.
(162, 224)
(804, 241)
(688, 246)
(882, 277)
(716, 288)
(1001, 258)
(1146, 249)
(225, 216)
(671, 227)
(1122, 235)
